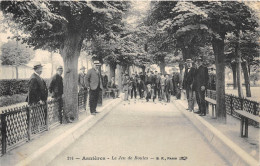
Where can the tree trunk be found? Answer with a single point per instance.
(16, 71)
(246, 77)
(51, 63)
(234, 70)
(181, 67)
(70, 53)
(162, 67)
(112, 71)
(218, 48)
(119, 74)
(238, 60)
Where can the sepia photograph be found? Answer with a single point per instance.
(129, 83)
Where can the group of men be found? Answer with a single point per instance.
(195, 83)
(151, 85)
(38, 90)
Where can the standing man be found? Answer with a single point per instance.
(200, 85)
(82, 83)
(56, 89)
(155, 83)
(168, 88)
(94, 83)
(133, 85)
(188, 81)
(38, 91)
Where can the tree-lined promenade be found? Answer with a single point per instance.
(224, 33)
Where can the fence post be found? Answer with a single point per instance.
(29, 122)
(3, 133)
(47, 116)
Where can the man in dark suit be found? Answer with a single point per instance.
(200, 85)
(133, 87)
(188, 81)
(114, 88)
(56, 89)
(94, 83)
(38, 91)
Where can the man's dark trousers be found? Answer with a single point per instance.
(93, 99)
(200, 97)
(133, 91)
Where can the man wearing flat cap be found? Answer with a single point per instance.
(38, 91)
(56, 89)
(200, 85)
(94, 83)
(82, 83)
(188, 81)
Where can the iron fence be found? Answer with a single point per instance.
(236, 103)
(21, 123)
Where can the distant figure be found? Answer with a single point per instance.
(168, 88)
(82, 84)
(133, 88)
(38, 91)
(104, 79)
(200, 85)
(56, 89)
(126, 86)
(114, 88)
(94, 83)
(140, 87)
(82, 80)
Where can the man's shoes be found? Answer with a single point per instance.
(198, 112)
(202, 114)
(187, 109)
(93, 113)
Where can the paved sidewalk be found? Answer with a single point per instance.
(141, 133)
(45, 141)
(226, 137)
(232, 130)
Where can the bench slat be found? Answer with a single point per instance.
(211, 100)
(248, 115)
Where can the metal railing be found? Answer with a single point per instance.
(20, 124)
(236, 103)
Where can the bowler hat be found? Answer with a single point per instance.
(188, 60)
(36, 66)
(97, 63)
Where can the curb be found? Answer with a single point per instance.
(50, 151)
(230, 151)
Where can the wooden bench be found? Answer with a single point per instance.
(213, 103)
(244, 121)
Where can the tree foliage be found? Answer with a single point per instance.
(14, 53)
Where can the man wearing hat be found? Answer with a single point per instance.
(94, 83)
(200, 85)
(82, 79)
(188, 81)
(38, 91)
(56, 89)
